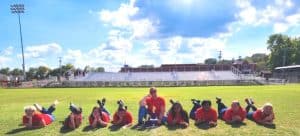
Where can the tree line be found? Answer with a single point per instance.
(284, 51)
(43, 72)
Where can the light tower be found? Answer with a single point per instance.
(19, 9)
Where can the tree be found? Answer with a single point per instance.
(210, 61)
(42, 72)
(259, 57)
(100, 69)
(16, 72)
(146, 66)
(54, 72)
(32, 73)
(4, 71)
(282, 50)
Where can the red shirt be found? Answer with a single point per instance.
(207, 116)
(37, 118)
(258, 115)
(229, 114)
(155, 105)
(104, 117)
(126, 119)
(77, 120)
(177, 117)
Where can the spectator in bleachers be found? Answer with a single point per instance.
(177, 115)
(154, 106)
(99, 116)
(37, 116)
(206, 114)
(234, 114)
(263, 116)
(74, 119)
(122, 117)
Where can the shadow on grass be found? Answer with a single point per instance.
(18, 130)
(237, 125)
(143, 127)
(114, 127)
(204, 126)
(89, 128)
(273, 126)
(175, 127)
(64, 130)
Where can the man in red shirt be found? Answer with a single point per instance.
(234, 114)
(264, 115)
(177, 115)
(37, 116)
(122, 117)
(206, 114)
(154, 106)
(74, 120)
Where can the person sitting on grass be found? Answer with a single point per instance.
(74, 120)
(99, 116)
(197, 104)
(177, 115)
(122, 117)
(37, 116)
(234, 114)
(263, 116)
(206, 114)
(154, 106)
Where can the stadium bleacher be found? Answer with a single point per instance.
(160, 76)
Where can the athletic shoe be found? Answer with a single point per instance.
(103, 101)
(218, 99)
(251, 101)
(247, 101)
(38, 107)
(55, 103)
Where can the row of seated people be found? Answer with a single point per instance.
(152, 113)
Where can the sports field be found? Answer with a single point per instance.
(285, 98)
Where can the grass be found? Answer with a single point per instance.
(284, 98)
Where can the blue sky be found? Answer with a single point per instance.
(109, 33)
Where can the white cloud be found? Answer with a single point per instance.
(273, 14)
(8, 51)
(37, 51)
(280, 27)
(5, 56)
(288, 23)
(122, 19)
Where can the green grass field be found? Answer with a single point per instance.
(286, 101)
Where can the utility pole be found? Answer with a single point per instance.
(220, 56)
(18, 9)
(284, 56)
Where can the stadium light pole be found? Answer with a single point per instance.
(18, 9)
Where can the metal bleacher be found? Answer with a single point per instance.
(160, 76)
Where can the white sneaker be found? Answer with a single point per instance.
(38, 107)
(55, 103)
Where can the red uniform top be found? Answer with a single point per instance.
(207, 116)
(258, 115)
(104, 117)
(229, 114)
(37, 118)
(177, 117)
(155, 105)
(77, 120)
(126, 119)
